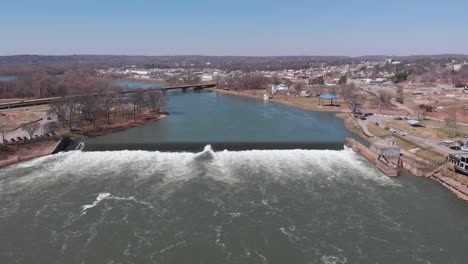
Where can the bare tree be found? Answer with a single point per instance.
(156, 100)
(451, 119)
(51, 127)
(31, 128)
(298, 87)
(48, 86)
(137, 100)
(348, 91)
(400, 94)
(3, 128)
(89, 107)
(59, 108)
(421, 112)
(70, 106)
(108, 102)
(384, 99)
(248, 81)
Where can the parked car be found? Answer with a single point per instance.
(19, 138)
(368, 114)
(13, 140)
(25, 138)
(36, 136)
(363, 118)
(46, 135)
(455, 147)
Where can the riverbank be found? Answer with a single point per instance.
(423, 160)
(118, 125)
(15, 153)
(342, 112)
(309, 104)
(12, 154)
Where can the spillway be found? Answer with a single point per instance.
(255, 206)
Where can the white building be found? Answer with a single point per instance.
(139, 72)
(279, 88)
(207, 78)
(380, 80)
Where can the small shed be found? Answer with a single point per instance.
(387, 148)
(327, 96)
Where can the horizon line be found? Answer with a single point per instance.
(253, 56)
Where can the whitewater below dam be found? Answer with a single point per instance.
(224, 206)
(273, 206)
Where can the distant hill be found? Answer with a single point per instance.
(33, 59)
(413, 57)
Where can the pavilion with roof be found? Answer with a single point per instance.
(327, 96)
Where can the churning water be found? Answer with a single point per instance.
(272, 206)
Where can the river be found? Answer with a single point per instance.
(217, 206)
(7, 77)
(132, 84)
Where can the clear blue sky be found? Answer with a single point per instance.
(234, 27)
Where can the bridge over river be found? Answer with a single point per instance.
(48, 100)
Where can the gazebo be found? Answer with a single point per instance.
(327, 96)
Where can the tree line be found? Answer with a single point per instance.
(104, 107)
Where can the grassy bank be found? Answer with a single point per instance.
(310, 104)
(424, 154)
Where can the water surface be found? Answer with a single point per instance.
(255, 206)
(131, 84)
(214, 118)
(7, 77)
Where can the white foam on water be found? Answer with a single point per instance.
(108, 196)
(263, 258)
(333, 260)
(99, 198)
(287, 231)
(172, 246)
(175, 167)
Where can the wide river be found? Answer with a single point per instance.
(253, 206)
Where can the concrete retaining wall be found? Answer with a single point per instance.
(61, 145)
(388, 169)
(417, 168)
